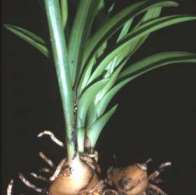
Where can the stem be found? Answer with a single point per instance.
(59, 49)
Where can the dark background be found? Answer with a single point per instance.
(156, 117)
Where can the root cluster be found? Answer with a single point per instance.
(82, 176)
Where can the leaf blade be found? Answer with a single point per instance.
(158, 60)
(86, 99)
(113, 24)
(31, 38)
(95, 129)
(64, 12)
(81, 26)
(122, 49)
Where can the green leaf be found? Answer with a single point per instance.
(123, 49)
(81, 26)
(125, 29)
(112, 25)
(158, 60)
(64, 12)
(95, 129)
(60, 55)
(85, 76)
(31, 38)
(103, 104)
(137, 69)
(94, 111)
(86, 100)
(88, 70)
(150, 14)
(150, 63)
(109, 84)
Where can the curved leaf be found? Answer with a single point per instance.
(112, 25)
(31, 38)
(125, 29)
(60, 55)
(158, 60)
(64, 12)
(81, 26)
(85, 76)
(102, 105)
(86, 100)
(95, 129)
(139, 68)
(94, 113)
(151, 13)
(122, 50)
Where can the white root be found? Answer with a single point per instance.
(156, 189)
(29, 184)
(156, 173)
(39, 177)
(44, 170)
(46, 159)
(165, 164)
(58, 170)
(52, 137)
(10, 187)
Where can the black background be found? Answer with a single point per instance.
(156, 117)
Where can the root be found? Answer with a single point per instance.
(156, 173)
(29, 184)
(52, 137)
(46, 159)
(10, 187)
(44, 170)
(58, 170)
(154, 190)
(39, 177)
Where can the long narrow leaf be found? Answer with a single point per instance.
(94, 113)
(95, 129)
(125, 29)
(86, 100)
(85, 76)
(158, 60)
(64, 12)
(101, 107)
(31, 38)
(60, 55)
(122, 50)
(82, 25)
(147, 64)
(112, 25)
(150, 14)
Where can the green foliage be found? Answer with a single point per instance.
(60, 55)
(29, 37)
(95, 129)
(81, 27)
(93, 60)
(64, 12)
